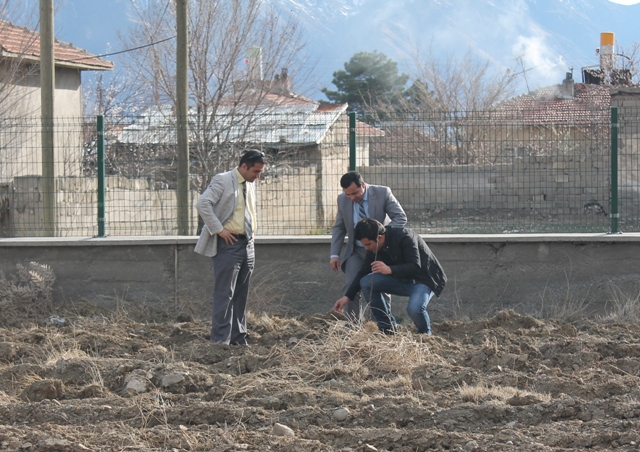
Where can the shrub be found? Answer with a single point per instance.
(27, 296)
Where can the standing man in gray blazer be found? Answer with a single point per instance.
(359, 200)
(228, 209)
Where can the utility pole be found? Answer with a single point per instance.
(47, 86)
(182, 114)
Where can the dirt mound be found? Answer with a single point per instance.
(510, 382)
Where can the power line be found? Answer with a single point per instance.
(135, 48)
(124, 51)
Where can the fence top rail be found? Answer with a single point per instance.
(320, 239)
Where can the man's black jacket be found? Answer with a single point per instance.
(409, 258)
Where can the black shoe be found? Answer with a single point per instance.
(241, 341)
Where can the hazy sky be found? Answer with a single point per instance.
(541, 39)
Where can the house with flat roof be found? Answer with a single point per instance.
(306, 143)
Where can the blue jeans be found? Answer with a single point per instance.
(374, 285)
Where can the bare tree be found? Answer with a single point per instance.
(444, 119)
(462, 84)
(118, 99)
(115, 95)
(232, 43)
(628, 59)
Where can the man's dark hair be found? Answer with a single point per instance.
(352, 177)
(368, 228)
(252, 157)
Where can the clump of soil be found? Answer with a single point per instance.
(510, 382)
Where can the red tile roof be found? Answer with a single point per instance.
(292, 101)
(590, 104)
(364, 129)
(330, 107)
(280, 99)
(21, 42)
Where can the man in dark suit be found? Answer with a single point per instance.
(228, 210)
(398, 262)
(359, 200)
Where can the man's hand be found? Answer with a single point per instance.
(335, 263)
(380, 267)
(228, 237)
(340, 304)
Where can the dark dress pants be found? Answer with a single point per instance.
(232, 269)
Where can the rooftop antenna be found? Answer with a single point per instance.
(524, 72)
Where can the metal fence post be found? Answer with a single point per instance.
(101, 207)
(614, 170)
(352, 141)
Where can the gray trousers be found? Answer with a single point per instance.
(353, 311)
(232, 269)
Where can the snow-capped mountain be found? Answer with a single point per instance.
(542, 39)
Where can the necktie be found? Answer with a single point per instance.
(247, 213)
(361, 211)
(361, 214)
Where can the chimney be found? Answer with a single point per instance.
(282, 83)
(254, 63)
(606, 52)
(566, 89)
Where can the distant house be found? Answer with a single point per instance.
(281, 123)
(20, 102)
(411, 142)
(307, 144)
(365, 136)
(552, 117)
(271, 118)
(19, 71)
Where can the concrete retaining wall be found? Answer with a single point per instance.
(486, 273)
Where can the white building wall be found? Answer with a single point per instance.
(20, 137)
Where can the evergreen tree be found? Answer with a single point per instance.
(369, 80)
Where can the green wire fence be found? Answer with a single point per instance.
(453, 172)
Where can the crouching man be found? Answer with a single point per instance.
(397, 262)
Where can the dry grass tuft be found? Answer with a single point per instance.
(622, 306)
(481, 393)
(268, 323)
(266, 292)
(357, 352)
(56, 346)
(27, 296)
(6, 399)
(572, 305)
